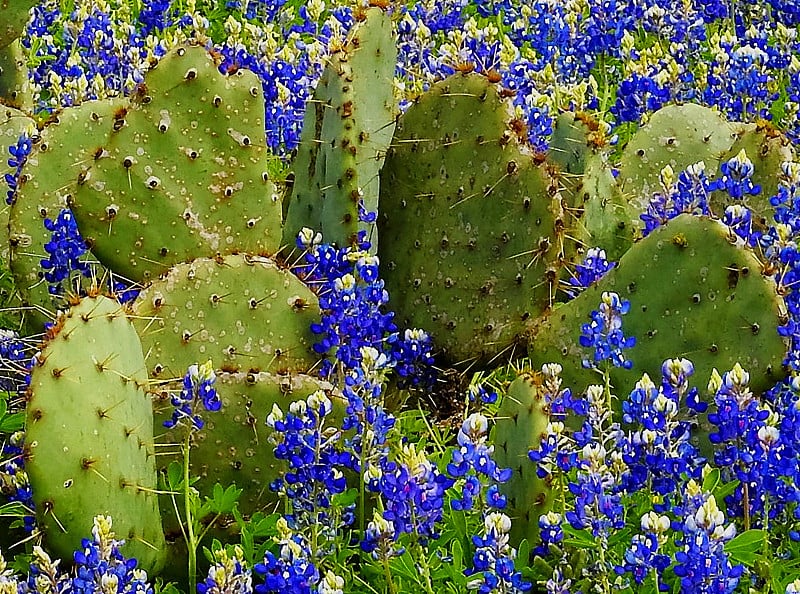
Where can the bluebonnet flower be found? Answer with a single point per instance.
(604, 333)
(642, 558)
(557, 453)
(100, 566)
(493, 561)
(757, 444)
(315, 466)
(657, 447)
(351, 297)
(15, 480)
(739, 218)
(366, 420)
(380, 538)
(597, 505)
(473, 460)
(688, 194)
(9, 581)
(331, 584)
(735, 177)
(227, 575)
(594, 266)
(412, 353)
(412, 490)
(292, 569)
(65, 248)
(477, 393)
(19, 155)
(557, 584)
(793, 587)
(550, 532)
(738, 80)
(15, 362)
(198, 389)
(636, 96)
(702, 564)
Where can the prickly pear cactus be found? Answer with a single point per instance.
(694, 293)
(604, 218)
(182, 172)
(676, 135)
(572, 141)
(14, 89)
(473, 233)
(346, 132)
(90, 433)
(242, 312)
(13, 16)
(49, 180)
(520, 424)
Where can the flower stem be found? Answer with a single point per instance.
(191, 540)
(387, 573)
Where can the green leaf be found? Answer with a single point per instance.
(745, 547)
(344, 499)
(13, 509)
(223, 500)
(458, 555)
(725, 489)
(524, 552)
(579, 538)
(13, 422)
(711, 480)
(174, 476)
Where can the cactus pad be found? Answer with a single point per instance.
(233, 447)
(521, 422)
(242, 312)
(89, 433)
(694, 293)
(48, 184)
(676, 135)
(472, 229)
(346, 132)
(182, 173)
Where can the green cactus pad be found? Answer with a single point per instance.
(242, 312)
(608, 221)
(676, 135)
(14, 87)
(570, 143)
(67, 148)
(13, 16)
(521, 421)
(473, 232)
(694, 293)
(346, 131)
(89, 433)
(602, 217)
(182, 173)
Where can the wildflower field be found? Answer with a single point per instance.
(387, 297)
